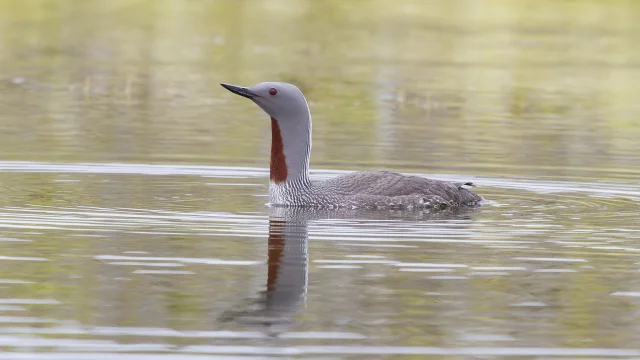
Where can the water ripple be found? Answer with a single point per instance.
(532, 239)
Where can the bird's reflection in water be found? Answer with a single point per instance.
(287, 275)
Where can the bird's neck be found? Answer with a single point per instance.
(290, 152)
(278, 170)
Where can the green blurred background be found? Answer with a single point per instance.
(482, 87)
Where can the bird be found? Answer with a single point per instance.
(291, 186)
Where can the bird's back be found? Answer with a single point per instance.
(391, 184)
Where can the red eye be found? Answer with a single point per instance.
(273, 91)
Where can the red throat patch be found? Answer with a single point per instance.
(278, 165)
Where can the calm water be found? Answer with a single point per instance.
(133, 222)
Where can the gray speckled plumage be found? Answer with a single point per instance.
(403, 190)
(286, 104)
(373, 190)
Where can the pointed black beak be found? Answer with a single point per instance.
(238, 90)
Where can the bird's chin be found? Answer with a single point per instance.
(265, 109)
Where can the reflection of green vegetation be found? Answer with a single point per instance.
(432, 86)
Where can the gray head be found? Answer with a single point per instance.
(281, 101)
(290, 125)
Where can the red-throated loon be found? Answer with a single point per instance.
(289, 168)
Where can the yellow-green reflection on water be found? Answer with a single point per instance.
(492, 87)
(536, 102)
